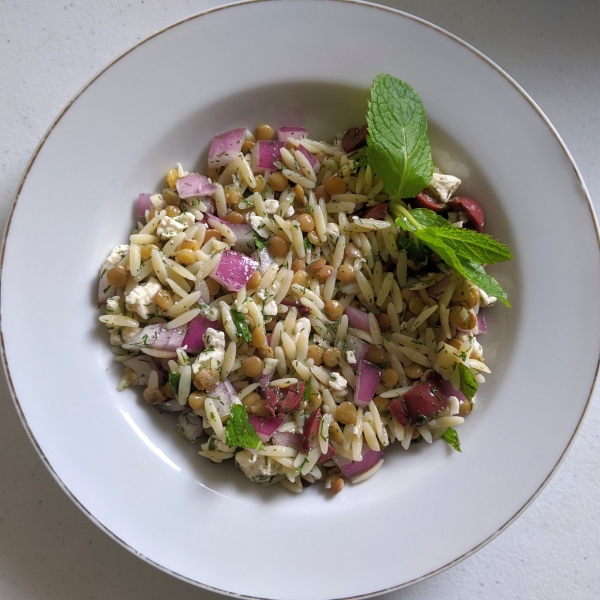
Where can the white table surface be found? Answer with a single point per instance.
(48, 50)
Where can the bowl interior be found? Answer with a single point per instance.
(123, 462)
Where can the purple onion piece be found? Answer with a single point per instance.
(234, 270)
(143, 204)
(360, 348)
(243, 233)
(298, 133)
(312, 159)
(287, 438)
(481, 324)
(448, 390)
(223, 395)
(357, 318)
(264, 155)
(264, 380)
(194, 338)
(367, 381)
(265, 426)
(439, 287)
(352, 469)
(225, 147)
(194, 184)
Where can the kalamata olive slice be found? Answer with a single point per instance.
(424, 200)
(354, 138)
(376, 212)
(420, 404)
(471, 208)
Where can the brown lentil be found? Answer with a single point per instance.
(212, 233)
(299, 190)
(254, 281)
(278, 181)
(172, 211)
(337, 486)
(277, 247)
(235, 217)
(324, 272)
(252, 366)
(172, 198)
(300, 278)
(213, 286)
(266, 352)
(316, 265)
(408, 294)
(321, 193)
(163, 299)
(414, 370)
(335, 433)
(376, 355)
(298, 265)
(333, 309)
(346, 413)
(196, 401)
(307, 223)
(313, 238)
(331, 357)
(117, 276)
(314, 402)
(335, 185)
(247, 146)
(264, 132)
(389, 377)
(381, 403)
(316, 353)
(346, 274)
(384, 321)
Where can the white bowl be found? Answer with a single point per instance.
(295, 62)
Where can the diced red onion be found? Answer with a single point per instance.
(481, 324)
(264, 155)
(142, 366)
(448, 390)
(439, 287)
(312, 159)
(234, 270)
(360, 348)
(263, 380)
(328, 455)
(298, 133)
(367, 381)
(357, 318)
(143, 204)
(287, 438)
(265, 426)
(352, 469)
(105, 290)
(194, 338)
(376, 212)
(195, 184)
(225, 147)
(210, 205)
(243, 233)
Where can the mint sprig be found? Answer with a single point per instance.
(241, 325)
(451, 437)
(468, 384)
(398, 148)
(461, 249)
(239, 431)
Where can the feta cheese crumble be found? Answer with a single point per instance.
(443, 186)
(169, 227)
(214, 352)
(118, 254)
(337, 382)
(140, 298)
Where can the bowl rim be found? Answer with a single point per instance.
(30, 165)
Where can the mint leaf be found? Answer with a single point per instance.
(468, 385)
(258, 241)
(428, 218)
(475, 274)
(307, 245)
(414, 251)
(397, 144)
(468, 269)
(451, 437)
(470, 245)
(174, 379)
(241, 325)
(239, 430)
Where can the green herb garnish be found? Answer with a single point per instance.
(468, 384)
(307, 245)
(397, 143)
(258, 241)
(241, 325)
(239, 431)
(414, 251)
(174, 379)
(451, 437)
(461, 249)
